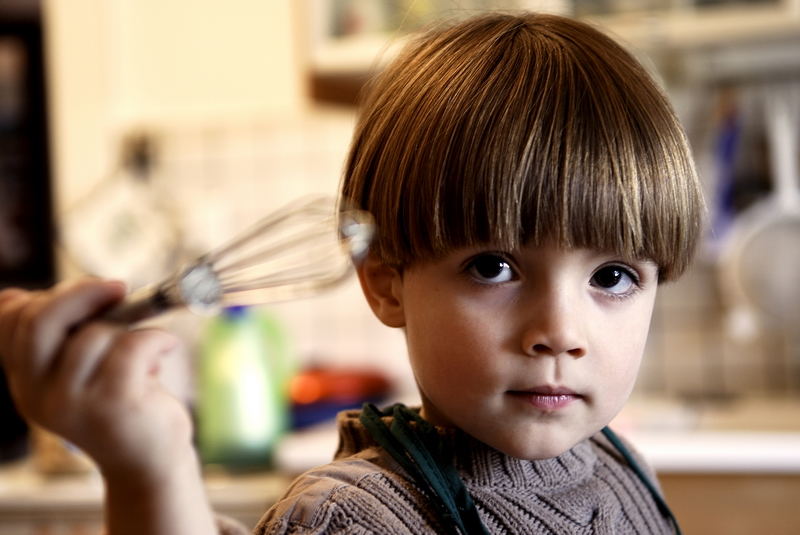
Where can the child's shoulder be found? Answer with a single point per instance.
(362, 490)
(346, 495)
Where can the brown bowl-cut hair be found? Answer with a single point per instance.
(515, 129)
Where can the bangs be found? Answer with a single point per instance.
(518, 130)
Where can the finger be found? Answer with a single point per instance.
(15, 325)
(11, 293)
(50, 399)
(81, 355)
(11, 302)
(131, 364)
(47, 319)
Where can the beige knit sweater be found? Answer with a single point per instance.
(588, 489)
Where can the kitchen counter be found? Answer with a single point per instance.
(32, 503)
(740, 452)
(758, 435)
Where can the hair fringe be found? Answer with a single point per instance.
(516, 129)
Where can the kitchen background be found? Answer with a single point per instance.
(135, 133)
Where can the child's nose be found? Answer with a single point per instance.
(553, 330)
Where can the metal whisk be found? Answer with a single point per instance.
(297, 251)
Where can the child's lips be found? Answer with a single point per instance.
(547, 397)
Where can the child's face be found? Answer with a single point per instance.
(529, 351)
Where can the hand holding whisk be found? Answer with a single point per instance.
(295, 252)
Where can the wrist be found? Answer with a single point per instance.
(144, 477)
(172, 501)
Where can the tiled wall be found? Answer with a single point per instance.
(693, 353)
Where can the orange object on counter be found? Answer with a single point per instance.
(342, 385)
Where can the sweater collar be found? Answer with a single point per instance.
(481, 465)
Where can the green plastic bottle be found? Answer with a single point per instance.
(242, 404)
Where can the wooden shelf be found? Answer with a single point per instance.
(737, 37)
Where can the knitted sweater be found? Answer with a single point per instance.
(588, 489)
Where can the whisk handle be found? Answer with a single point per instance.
(140, 305)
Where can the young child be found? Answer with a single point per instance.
(532, 187)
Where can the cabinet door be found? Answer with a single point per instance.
(734, 504)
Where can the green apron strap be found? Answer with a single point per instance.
(418, 449)
(660, 502)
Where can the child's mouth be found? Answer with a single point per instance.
(547, 398)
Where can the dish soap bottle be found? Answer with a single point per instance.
(241, 389)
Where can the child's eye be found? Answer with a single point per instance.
(490, 269)
(615, 279)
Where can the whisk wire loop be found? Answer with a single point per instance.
(297, 251)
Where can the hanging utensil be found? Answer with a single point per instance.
(760, 267)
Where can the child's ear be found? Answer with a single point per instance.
(382, 286)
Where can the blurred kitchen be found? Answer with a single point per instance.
(135, 134)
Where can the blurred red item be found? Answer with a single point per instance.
(341, 385)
